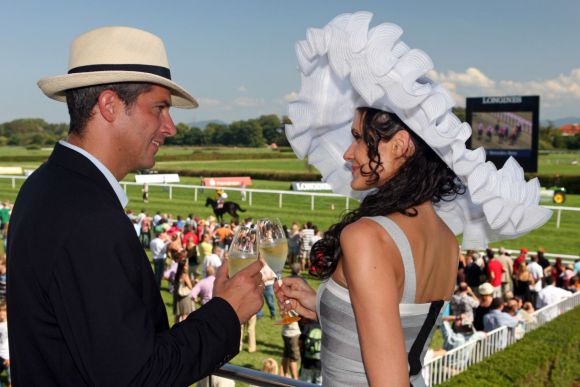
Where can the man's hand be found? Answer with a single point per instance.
(244, 291)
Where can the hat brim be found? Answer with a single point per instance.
(55, 87)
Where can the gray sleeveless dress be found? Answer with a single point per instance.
(341, 355)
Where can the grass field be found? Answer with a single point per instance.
(560, 163)
(247, 166)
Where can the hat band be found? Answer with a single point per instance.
(151, 69)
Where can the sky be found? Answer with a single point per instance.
(237, 57)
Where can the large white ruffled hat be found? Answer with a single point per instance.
(346, 65)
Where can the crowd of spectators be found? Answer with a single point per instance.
(187, 252)
(493, 290)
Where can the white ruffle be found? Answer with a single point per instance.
(345, 65)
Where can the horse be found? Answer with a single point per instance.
(228, 207)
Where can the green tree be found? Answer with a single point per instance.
(270, 128)
(181, 131)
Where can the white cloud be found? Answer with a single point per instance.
(242, 89)
(473, 82)
(248, 101)
(292, 96)
(209, 101)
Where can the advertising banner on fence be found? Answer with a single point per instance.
(160, 178)
(227, 181)
(310, 186)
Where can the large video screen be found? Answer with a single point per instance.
(505, 126)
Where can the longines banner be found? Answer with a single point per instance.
(310, 186)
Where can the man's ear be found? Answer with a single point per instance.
(109, 104)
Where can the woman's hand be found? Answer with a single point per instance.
(295, 293)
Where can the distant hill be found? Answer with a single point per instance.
(562, 121)
(203, 124)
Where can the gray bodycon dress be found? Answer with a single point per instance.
(341, 357)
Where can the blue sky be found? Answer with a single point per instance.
(237, 57)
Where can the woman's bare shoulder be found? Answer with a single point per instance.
(363, 231)
(366, 238)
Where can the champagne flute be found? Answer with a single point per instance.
(243, 250)
(274, 249)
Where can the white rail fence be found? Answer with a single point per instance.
(457, 360)
(201, 188)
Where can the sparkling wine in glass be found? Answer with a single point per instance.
(244, 249)
(274, 249)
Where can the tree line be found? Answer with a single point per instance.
(256, 132)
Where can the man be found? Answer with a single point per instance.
(87, 311)
(214, 259)
(222, 232)
(306, 238)
(507, 272)
(463, 302)
(485, 291)
(497, 318)
(494, 274)
(473, 272)
(158, 247)
(551, 294)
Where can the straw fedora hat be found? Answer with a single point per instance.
(114, 55)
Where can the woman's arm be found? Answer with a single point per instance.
(186, 279)
(374, 273)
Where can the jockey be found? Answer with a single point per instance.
(220, 197)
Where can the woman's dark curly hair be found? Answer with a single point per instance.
(424, 176)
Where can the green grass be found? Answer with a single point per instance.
(185, 150)
(559, 163)
(244, 166)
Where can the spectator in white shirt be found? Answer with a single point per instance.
(551, 295)
(213, 259)
(158, 247)
(537, 272)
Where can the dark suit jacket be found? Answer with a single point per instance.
(83, 306)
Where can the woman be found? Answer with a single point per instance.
(525, 280)
(182, 302)
(390, 265)
(376, 241)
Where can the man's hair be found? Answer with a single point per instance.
(80, 101)
(496, 303)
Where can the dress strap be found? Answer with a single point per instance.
(400, 239)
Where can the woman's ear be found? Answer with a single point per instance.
(401, 144)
